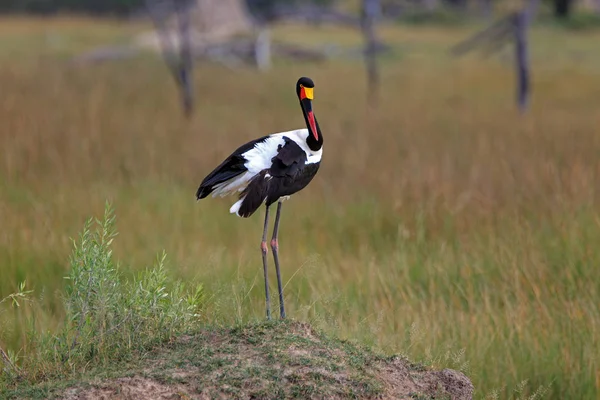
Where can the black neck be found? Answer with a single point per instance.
(313, 143)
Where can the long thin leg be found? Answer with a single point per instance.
(263, 248)
(275, 248)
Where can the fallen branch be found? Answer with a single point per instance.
(316, 15)
(494, 36)
(105, 53)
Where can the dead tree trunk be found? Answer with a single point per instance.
(486, 9)
(370, 12)
(522, 60)
(176, 51)
(186, 80)
(178, 22)
(262, 49)
(523, 21)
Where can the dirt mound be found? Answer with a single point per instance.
(272, 361)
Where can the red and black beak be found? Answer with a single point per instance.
(306, 96)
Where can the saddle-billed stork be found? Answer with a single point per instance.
(268, 170)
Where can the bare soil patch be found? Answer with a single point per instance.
(272, 361)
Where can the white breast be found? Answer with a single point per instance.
(260, 156)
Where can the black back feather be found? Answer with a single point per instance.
(288, 174)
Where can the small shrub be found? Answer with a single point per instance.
(108, 317)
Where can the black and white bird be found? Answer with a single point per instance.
(267, 170)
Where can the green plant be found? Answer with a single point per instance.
(108, 317)
(9, 358)
(20, 294)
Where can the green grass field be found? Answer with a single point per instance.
(442, 225)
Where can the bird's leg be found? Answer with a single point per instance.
(275, 248)
(263, 248)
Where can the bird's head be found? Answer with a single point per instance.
(305, 91)
(304, 88)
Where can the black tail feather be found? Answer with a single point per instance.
(230, 168)
(208, 185)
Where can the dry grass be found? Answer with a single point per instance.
(442, 220)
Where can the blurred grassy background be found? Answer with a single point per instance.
(441, 221)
